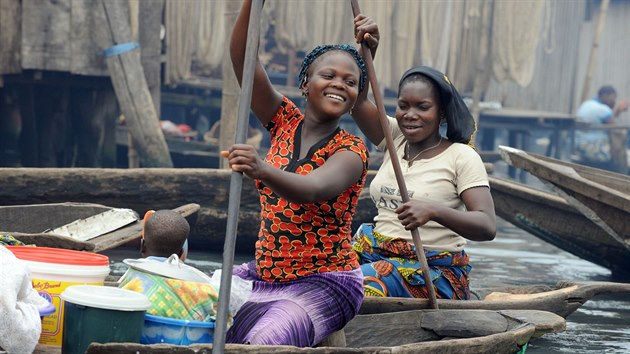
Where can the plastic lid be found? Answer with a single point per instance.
(178, 322)
(170, 268)
(106, 297)
(58, 256)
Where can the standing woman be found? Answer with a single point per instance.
(450, 200)
(307, 280)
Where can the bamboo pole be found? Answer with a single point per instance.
(236, 180)
(367, 54)
(601, 20)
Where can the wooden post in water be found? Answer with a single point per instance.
(601, 20)
(367, 54)
(236, 180)
(130, 85)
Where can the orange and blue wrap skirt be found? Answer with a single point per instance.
(391, 268)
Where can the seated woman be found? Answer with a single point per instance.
(306, 279)
(448, 187)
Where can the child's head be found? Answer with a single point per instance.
(338, 64)
(164, 233)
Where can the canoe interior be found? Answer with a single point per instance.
(562, 299)
(21, 217)
(37, 218)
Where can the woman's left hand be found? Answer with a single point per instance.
(244, 158)
(414, 214)
(366, 29)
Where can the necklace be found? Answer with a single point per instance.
(421, 152)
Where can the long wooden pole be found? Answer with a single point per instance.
(130, 84)
(601, 20)
(236, 181)
(367, 54)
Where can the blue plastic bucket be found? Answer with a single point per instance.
(174, 331)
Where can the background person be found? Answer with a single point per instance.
(595, 146)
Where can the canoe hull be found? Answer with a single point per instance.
(601, 196)
(506, 335)
(554, 220)
(143, 189)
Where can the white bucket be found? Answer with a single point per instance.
(52, 271)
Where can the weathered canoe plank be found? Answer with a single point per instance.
(554, 220)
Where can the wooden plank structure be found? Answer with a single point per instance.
(61, 80)
(554, 220)
(10, 37)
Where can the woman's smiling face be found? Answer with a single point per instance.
(333, 84)
(418, 110)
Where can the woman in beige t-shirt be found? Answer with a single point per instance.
(450, 199)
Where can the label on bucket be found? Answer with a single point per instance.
(52, 325)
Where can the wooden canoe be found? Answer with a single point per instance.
(602, 196)
(421, 331)
(554, 220)
(142, 189)
(563, 299)
(27, 223)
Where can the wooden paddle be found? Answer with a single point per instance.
(236, 180)
(367, 55)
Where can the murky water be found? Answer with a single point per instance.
(515, 257)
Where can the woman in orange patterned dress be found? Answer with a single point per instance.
(307, 280)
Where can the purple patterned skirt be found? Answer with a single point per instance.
(301, 312)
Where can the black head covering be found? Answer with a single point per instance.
(460, 122)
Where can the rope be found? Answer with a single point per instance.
(119, 49)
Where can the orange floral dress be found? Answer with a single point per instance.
(296, 240)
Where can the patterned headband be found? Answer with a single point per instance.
(321, 49)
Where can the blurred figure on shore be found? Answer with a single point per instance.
(598, 146)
